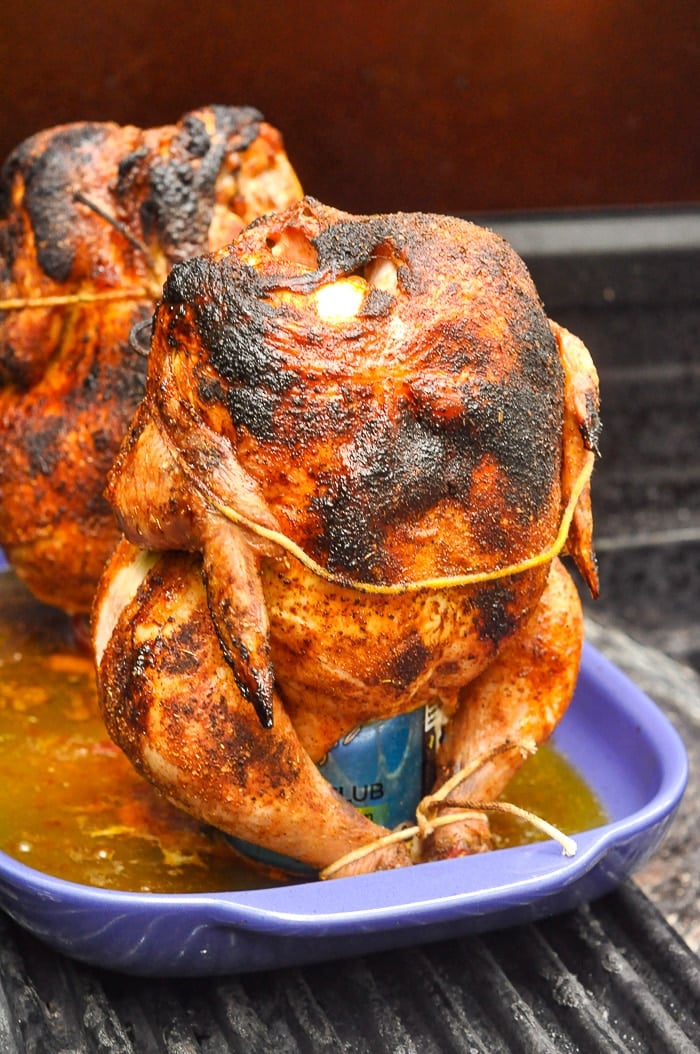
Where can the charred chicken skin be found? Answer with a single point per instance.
(92, 217)
(362, 448)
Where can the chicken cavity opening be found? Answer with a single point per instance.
(342, 298)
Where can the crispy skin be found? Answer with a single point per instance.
(523, 696)
(342, 658)
(97, 210)
(170, 701)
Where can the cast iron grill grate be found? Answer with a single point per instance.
(610, 976)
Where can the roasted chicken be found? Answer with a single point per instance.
(92, 217)
(362, 448)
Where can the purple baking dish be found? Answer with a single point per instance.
(614, 735)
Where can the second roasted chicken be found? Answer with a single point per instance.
(92, 217)
(362, 449)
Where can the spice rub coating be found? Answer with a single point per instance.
(361, 449)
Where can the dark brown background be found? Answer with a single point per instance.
(459, 106)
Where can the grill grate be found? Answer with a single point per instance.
(611, 976)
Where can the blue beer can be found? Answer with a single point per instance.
(379, 768)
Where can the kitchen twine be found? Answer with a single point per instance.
(446, 582)
(426, 823)
(21, 303)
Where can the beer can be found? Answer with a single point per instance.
(379, 768)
